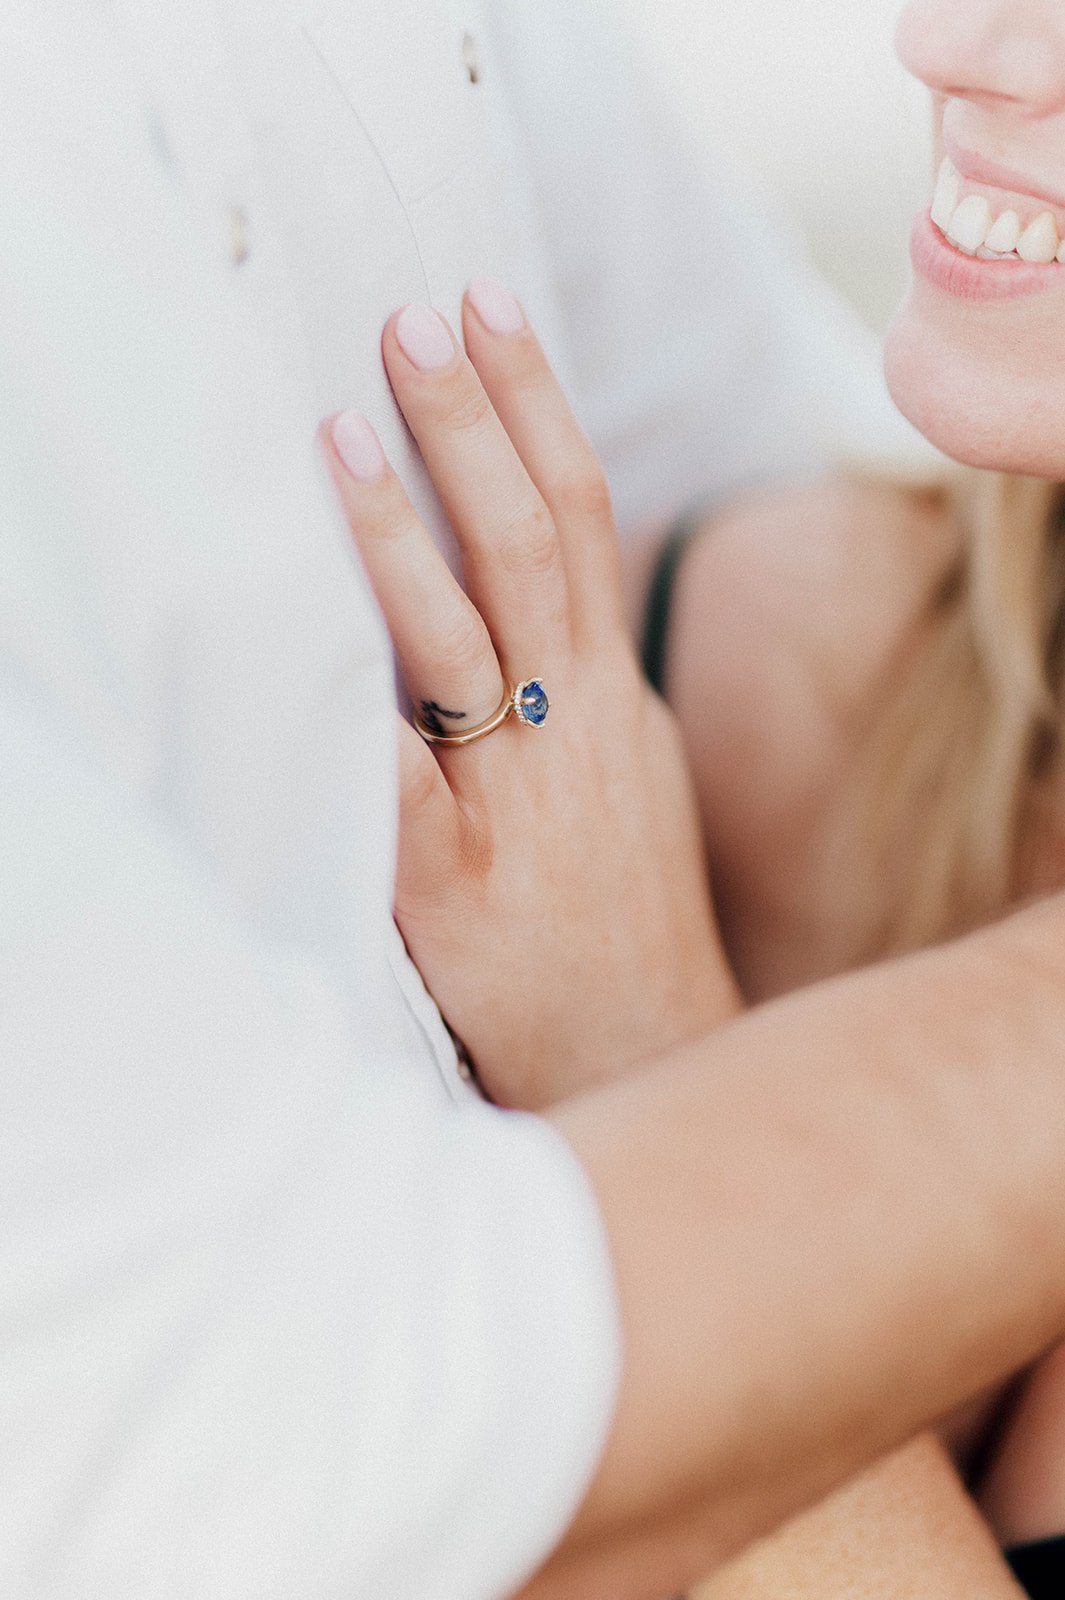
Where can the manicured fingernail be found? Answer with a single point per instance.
(358, 446)
(496, 306)
(424, 339)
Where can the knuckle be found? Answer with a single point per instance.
(462, 649)
(619, 672)
(462, 405)
(528, 544)
(622, 665)
(584, 494)
(620, 682)
(527, 376)
(377, 512)
(392, 518)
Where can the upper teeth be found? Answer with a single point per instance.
(970, 224)
(1004, 233)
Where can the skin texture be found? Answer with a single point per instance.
(906, 1529)
(785, 1308)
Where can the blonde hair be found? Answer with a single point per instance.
(956, 769)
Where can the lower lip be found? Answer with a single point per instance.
(966, 277)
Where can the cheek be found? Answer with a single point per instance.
(987, 390)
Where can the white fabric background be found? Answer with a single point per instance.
(809, 99)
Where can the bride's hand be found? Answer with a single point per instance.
(551, 885)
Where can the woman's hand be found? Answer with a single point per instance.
(551, 885)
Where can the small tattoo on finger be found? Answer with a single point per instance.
(434, 715)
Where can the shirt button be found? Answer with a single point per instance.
(239, 236)
(471, 58)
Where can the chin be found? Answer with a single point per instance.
(971, 403)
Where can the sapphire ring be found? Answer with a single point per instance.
(530, 703)
(527, 702)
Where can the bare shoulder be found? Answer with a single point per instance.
(789, 609)
(823, 577)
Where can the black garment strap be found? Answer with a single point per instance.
(655, 644)
(1040, 1567)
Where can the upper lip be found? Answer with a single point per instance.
(979, 170)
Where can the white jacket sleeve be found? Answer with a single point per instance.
(268, 1326)
(276, 1319)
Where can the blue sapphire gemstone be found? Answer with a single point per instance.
(533, 704)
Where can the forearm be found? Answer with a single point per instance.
(906, 1528)
(831, 1222)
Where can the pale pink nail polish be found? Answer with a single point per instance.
(424, 339)
(358, 446)
(496, 306)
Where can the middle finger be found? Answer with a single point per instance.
(511, 553)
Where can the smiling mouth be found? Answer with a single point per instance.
(995, 226)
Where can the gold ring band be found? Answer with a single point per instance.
(469, 735)
(527, 701)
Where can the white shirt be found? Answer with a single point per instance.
(283, 1310)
